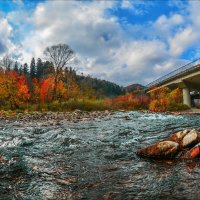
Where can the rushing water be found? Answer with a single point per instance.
(95, 160)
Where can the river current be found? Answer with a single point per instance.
(95, 160)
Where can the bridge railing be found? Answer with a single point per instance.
(186, 68)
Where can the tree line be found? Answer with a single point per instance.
(49, 80)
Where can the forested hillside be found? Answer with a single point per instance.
(41, 83)
(89, 86)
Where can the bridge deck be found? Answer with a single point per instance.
(195, 65)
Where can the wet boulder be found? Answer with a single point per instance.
(190, 139)
(179, 145)
(164, 149)
(178, 136)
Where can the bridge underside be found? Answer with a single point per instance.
(191, 81)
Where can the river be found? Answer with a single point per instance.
(95, 160)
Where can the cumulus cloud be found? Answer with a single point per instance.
(137, 7)
(102, 46)
(169, 65)
(182, 40)
(105, 48)
(165, 26)
(6, 30)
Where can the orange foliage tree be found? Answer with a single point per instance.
(46, 90)
(14, 89)
(11, 89)
(23, 90)
(163, 99)
(128, 102)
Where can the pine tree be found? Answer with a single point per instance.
(39, 69)
(32, 68)
(16, 69)
(25, 69)
(20, 70)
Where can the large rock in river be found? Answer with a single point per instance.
(190, 139)
(178, 136)
(164, 149)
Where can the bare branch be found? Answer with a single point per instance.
(6, 62)
(60, 55)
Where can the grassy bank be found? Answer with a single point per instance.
(71, 105)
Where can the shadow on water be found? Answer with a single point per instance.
(95, 160)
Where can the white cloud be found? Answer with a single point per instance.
(18, 2)
(133, 61)
(6, 31)
(165, 26)
(168, 23)
(194, 16)
(182, 40)
(100, 42)
(104, 47)
(137, 7)
(169, 65)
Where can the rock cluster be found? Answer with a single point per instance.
(183, 144)
(53, 118)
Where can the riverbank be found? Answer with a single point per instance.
(56, 118)
(51, 118)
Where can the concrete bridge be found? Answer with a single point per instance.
(186, 77)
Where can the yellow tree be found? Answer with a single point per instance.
(3, 89)
(61, 91)
(73, 90)
(12, 89)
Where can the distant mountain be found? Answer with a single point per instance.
(134, 87)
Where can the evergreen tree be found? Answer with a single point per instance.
(39, 69)
(32, 68)
(16, 69)
(25, 69)
(8, 68)
(20, 71)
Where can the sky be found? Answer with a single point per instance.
(121, 41)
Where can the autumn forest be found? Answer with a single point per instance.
(54, 85)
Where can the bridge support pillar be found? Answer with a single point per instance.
(187, 97)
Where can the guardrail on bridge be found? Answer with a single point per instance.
(186, 68)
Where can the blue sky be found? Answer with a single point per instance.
(120, 41)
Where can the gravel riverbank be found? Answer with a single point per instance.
(58, 118)
(52, 118)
